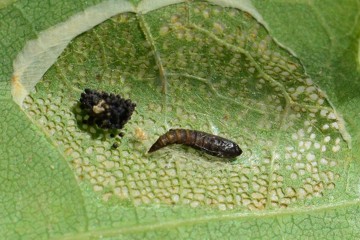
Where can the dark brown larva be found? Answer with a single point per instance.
(211, 144)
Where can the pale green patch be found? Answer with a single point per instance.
(198, 66)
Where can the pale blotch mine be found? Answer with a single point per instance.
(258, 93)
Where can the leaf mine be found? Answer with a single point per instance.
(199, 66)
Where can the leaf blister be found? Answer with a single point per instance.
(218, 62)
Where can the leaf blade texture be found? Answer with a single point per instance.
(205, 66)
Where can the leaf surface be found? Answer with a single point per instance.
(278, 78)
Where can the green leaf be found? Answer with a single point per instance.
(278, 78)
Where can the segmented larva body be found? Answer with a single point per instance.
(208, 143)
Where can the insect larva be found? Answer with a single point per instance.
(208, 143)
